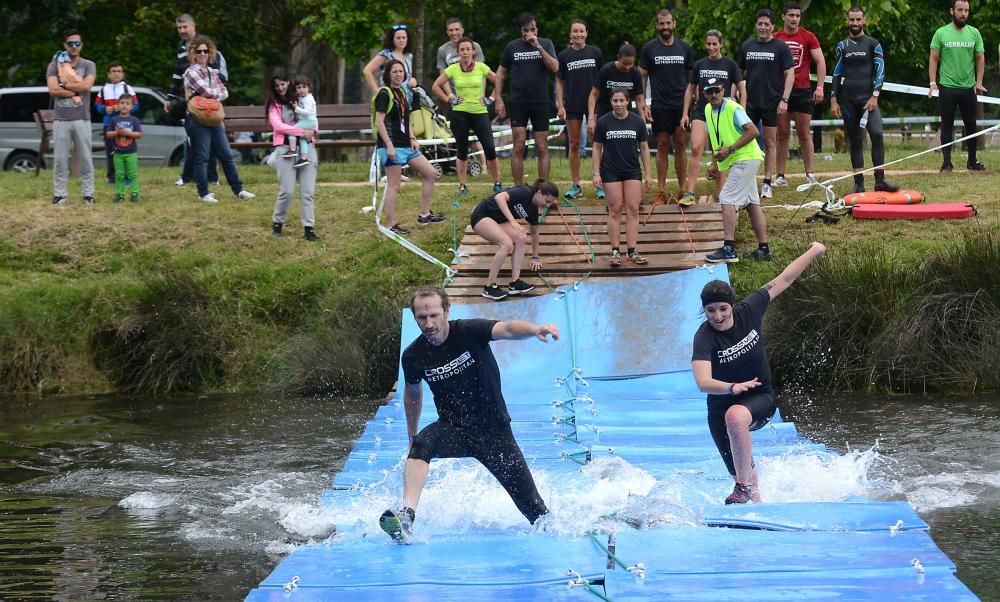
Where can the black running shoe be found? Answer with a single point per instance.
(977, 166)
(276, 228)
(759, 254)
(58, 200)
(397, 229)
(884, 186)
(519, 287)
(946, 167)
(494, 292)
(430, 218)
(741, 494)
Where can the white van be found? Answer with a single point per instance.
(162, 137)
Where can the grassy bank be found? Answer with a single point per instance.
(172, 295)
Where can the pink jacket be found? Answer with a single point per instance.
(279, 127)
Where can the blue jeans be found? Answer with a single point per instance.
(211, 141)
(187, 166)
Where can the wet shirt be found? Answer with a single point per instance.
(801, 44)
(121, 143)
(620, 139)
(668, 67)
(765, 64)
(724, 70)
(462, 373)
(738, 354)
(529, 77)
(397, 119)
(859, 70)
(578, 71)
(609, 78)
(519, 203)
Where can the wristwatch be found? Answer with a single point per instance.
(876, 93)
(732, 150)
(784, 100)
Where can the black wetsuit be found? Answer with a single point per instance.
(858, 72)
(472, 415)
(737, 355)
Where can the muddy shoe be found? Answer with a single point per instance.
(741, 494)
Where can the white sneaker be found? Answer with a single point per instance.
(246, 195)
(779, 181)
(179, 182)
(209, 198)
(811, 179)
(765, 192)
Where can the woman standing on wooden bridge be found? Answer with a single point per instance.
(619, 138)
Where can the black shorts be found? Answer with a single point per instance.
(609, 175)
(496, 449)
(522, 114)
(801, 101)
(768, 116)
(762, 408)
(666, 119)
(571, 116)
(478, 214)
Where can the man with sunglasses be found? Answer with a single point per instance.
(186, 31)
(529, 59)
(71, 116)
(733, 137)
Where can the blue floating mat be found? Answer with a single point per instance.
(614, 430)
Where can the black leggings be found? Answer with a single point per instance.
(965, 100)
(461, 122)
(762, 408)
(496, 449)
(852, 124)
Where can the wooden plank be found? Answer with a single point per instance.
(666, 240)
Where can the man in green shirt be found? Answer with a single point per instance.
(955, 68)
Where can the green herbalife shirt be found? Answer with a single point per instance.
(958, 48)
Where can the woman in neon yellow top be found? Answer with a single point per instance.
(468, 102)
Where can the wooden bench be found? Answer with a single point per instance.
(341, 125)
(43, 119)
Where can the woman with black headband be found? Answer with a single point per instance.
(729, 362)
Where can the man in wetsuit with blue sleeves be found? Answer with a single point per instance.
(857, 82)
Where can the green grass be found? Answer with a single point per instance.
(173, 294)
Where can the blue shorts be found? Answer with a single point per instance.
(403, 156)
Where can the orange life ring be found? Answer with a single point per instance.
(902, 197)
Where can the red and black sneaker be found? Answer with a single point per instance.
(741, 494)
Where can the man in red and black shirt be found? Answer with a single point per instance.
(805, 52)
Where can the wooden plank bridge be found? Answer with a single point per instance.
(671, 238)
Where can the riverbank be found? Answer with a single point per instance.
(172, 295)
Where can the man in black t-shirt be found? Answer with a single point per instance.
(729, 363)
(529, 59)
(666, 62)
(455, 359)
(769, 70)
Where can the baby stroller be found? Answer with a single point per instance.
(427, 123)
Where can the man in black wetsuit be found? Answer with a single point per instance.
(857, 82)
(455, 359)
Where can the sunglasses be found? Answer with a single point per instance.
(76, 44)
(399, 26)
(713, 91)
(202, 51)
